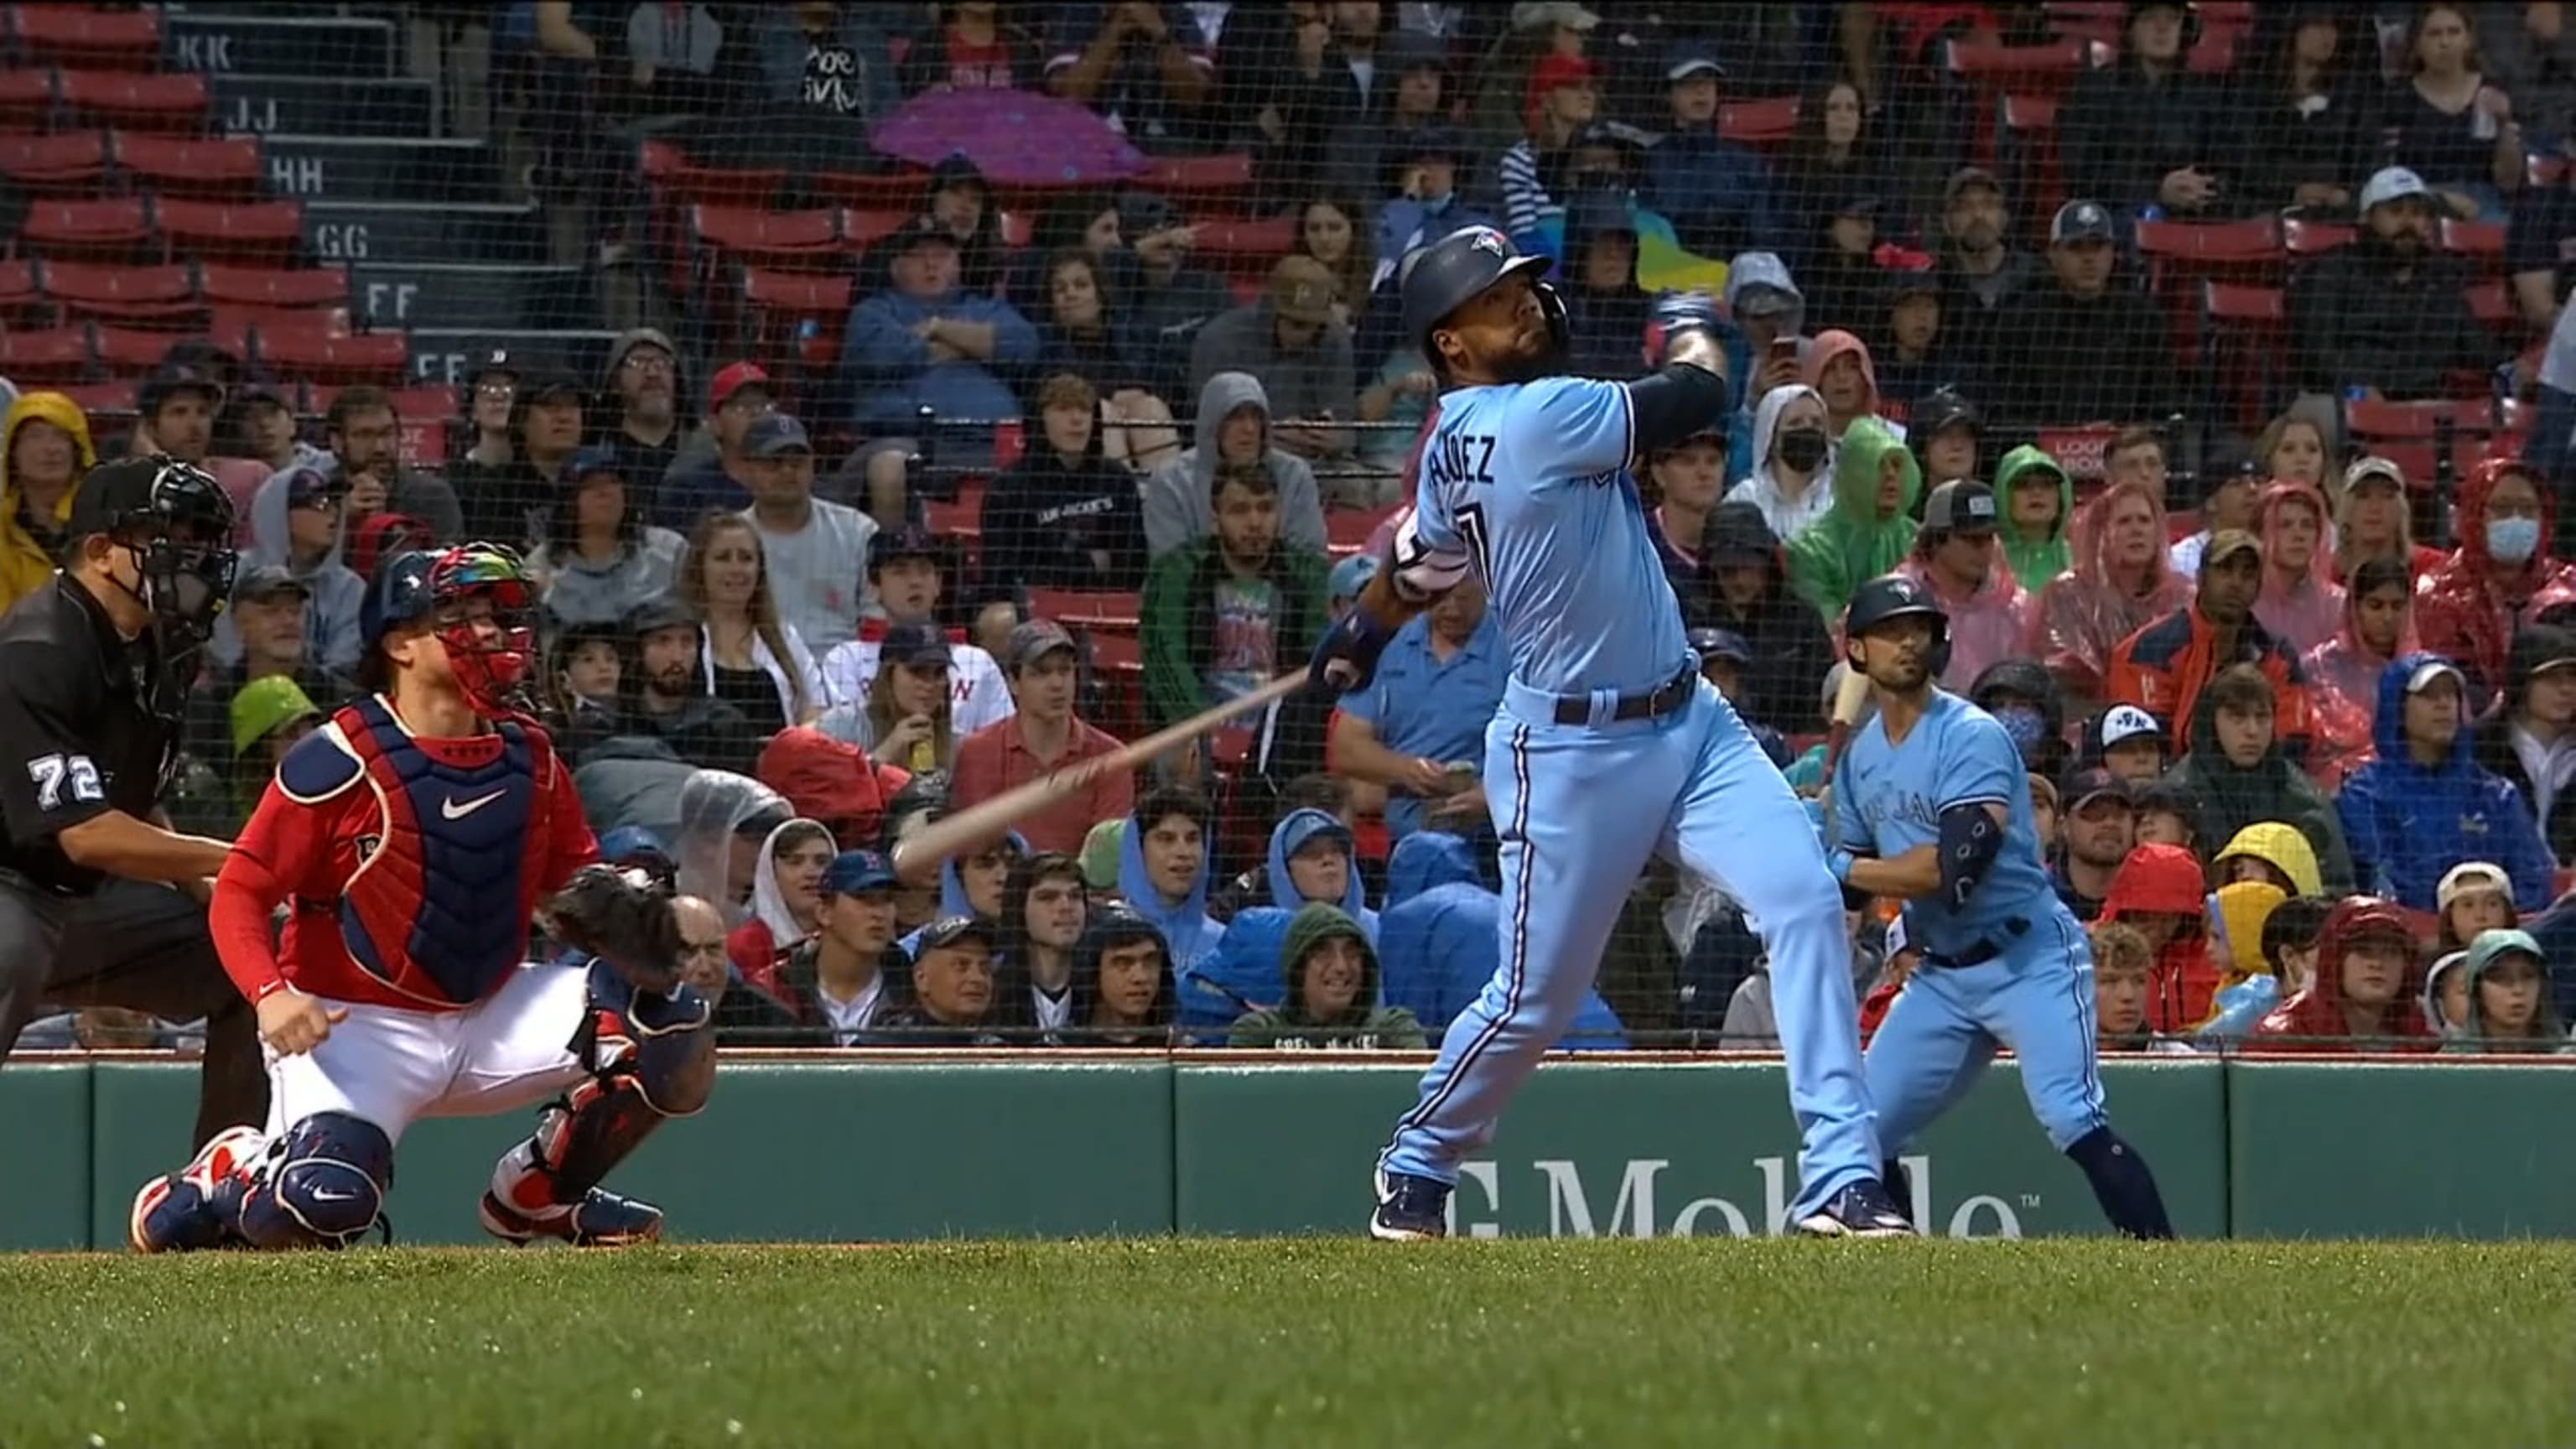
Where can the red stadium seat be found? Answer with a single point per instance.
(214, 230)
(2314, 238)
(2378, 418)
(1347, 530)
(863, 229)
(146, 296)
(57, 355)
(116, 227)
(1187, 179)
(1268, 237)
(738, 236)
(173, 102)
(429, 404)
(274, 286)
(102, 398)
(2243, 331)
(666, 168)
(1115, 610)
(1992, 72)
(808, 294)
(131, 351)
(903, 192)
(2254, 242)
(381, 358)
(949, 519)
(84, 35)
(26, 98)
(233, 322)
(1765, 122)
(777, 308)
(18, 292)
(67, 163)
(225, 167)
(2492, 305)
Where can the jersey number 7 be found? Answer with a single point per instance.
(52, 772)
(1470, 521)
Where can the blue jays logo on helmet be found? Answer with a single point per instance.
(1486, 239)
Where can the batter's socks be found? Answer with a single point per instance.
(2122, 1184)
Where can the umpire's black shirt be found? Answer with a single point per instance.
(76, 738)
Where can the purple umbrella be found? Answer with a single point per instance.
(1013, 137)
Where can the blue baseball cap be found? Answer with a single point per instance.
(1350, 576)
(854, 871)
(773, 434)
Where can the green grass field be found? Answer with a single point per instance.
(1702, 1342)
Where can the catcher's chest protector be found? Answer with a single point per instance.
(439, 905)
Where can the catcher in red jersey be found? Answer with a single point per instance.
(410, 841)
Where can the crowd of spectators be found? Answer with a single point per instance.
(2299, 708)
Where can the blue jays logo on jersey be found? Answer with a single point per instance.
(1906, 806)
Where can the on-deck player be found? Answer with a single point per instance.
(1932, 807)
(414, 837)
(1609, 746)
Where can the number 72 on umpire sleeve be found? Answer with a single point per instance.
(52, 772)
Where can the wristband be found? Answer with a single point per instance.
(1839, 861)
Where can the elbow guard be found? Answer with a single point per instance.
(1970, 839)
(1679, 402)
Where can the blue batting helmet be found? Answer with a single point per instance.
(1460, 267)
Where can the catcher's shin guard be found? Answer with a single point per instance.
(321, 1185)
(652, 1056)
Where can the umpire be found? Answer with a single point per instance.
(94, 675)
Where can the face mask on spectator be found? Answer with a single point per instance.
(1802, 448)
(2512, 540)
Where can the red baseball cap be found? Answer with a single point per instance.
(733, 379)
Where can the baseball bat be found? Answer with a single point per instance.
(1849, 696)
(988, 819)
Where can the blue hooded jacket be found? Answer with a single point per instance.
(1240, 975)
(1439, 941)
(952, 895)
(1289, 837)
(2406, 825)
(1187, 927)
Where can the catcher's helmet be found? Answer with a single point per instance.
(1461, 266)
(1895, 596)
(424, 586)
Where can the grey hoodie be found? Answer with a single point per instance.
(1179, 508)
(1762, 489)
(332, 638)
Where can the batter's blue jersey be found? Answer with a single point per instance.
(1889, 799)
(1528, 485)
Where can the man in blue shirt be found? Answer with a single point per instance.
(1419, 729)
(925, 343)
(1609, 745)
(1933, 809)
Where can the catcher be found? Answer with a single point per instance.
(412, 838)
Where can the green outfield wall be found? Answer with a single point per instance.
(871, 1149)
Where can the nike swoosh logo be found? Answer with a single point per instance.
(454, 811)
(324, 1194)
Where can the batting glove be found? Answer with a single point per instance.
(1345, 659)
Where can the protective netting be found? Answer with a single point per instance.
(781, 336)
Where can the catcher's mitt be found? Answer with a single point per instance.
(617, 916)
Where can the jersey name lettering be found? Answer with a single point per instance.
(1463, 458)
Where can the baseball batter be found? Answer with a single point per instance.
(1608, 746)
(411, 839)
(1933, 808)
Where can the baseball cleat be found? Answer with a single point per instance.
(175, 1213)
(599, 1220)
(1409, 1208)
(1862, 1210)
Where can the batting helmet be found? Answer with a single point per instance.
(1462, 266)
(1895, 596)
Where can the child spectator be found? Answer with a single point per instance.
(2343, 673)
(2475, 896)
(2238, 912)
(2445, 997)
(2299, 603)
(1221, 617)
(1064, 517)
(2126, 741)
(2158, 892)
(1869, 526)
(2508, 999)
(2357, 999)
(2037, 501)
(44, 451)
(786, 896)
(1838, 367)
(2123, 963)
(2290, 936)
(2168, 814)
(2271, 853)
(2424, 805)
(1122, 989)
(2533, 747)
(1311, 860)
(2239, 775)
(1331, 977)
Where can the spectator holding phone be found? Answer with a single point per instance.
(2141, 132)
